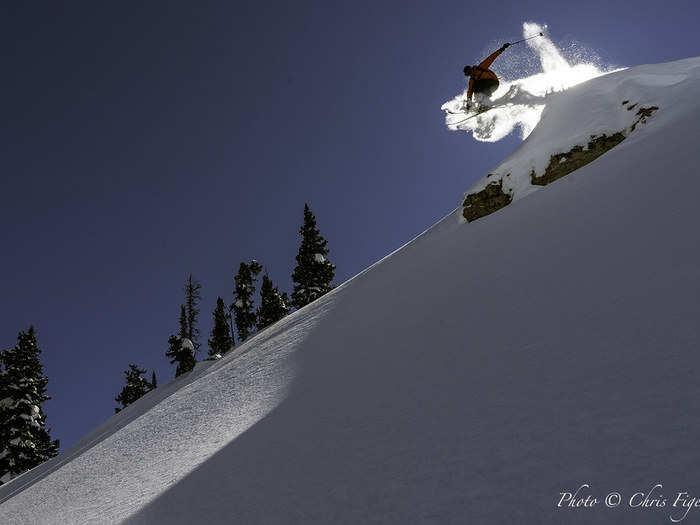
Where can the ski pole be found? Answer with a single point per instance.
(526, 39)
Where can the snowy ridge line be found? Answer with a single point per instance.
(133, 412)
(405, 245)
(363, 272)
(202, 369)
(49, 467)
(244, 348)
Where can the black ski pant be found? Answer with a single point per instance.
(486, 86)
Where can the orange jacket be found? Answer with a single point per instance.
(482, 71)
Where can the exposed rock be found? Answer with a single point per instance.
(486, 201)
(493, 198)
(643, 113)
(564, 163)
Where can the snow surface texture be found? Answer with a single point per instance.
(469, 377)
(522, 100)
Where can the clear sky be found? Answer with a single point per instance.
(143, 141)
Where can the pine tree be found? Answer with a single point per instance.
(182, 347)
(184, 331)
(243, 307)
(192, 298)
(136, 387)
(24, 439)
(273, 305)
(313, 274)
(220, 341)
(154, 383)
(181, 351)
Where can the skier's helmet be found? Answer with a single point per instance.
(467, 70)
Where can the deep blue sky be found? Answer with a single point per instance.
(142, 142)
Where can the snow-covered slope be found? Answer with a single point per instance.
(602, 106)
(469, 377)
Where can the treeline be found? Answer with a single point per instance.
(237, 320)
(25, 440)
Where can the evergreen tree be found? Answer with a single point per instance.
(243, 307)
(24, 439)
(192, 298)
(136, 387)
(184, 331)
(273, 305)
(180, 347)
(220, 341)
(181, 351)
(154, 383)
(313, 274)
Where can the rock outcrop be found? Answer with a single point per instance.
(486, 201)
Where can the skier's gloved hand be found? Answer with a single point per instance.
(506, 46)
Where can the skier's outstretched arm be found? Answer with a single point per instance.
(471, 88)
(493, 56)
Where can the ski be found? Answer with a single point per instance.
(479, 112)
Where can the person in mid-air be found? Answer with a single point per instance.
(482, 80)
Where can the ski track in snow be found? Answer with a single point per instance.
(468, 377)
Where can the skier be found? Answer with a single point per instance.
(483, 81)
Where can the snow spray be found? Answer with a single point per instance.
(520, 102)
